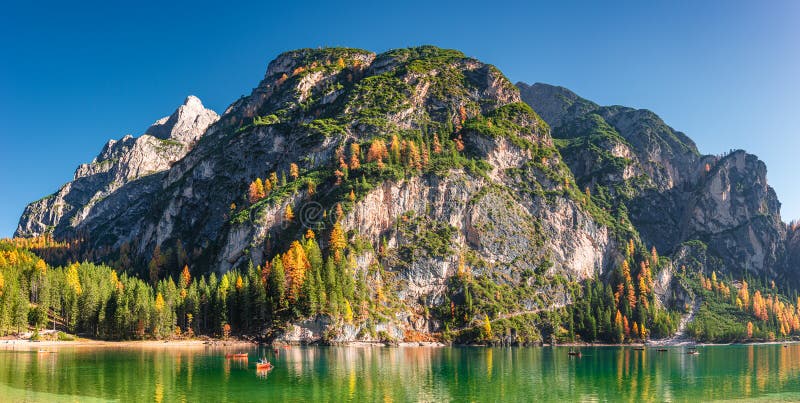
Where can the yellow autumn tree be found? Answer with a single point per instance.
(294, 171)
(288, 214)
(348, 312)
(273, 180)
(41, 266)
(72, 279)
(159, 304)
(394, 149)
(487, 328)
(338, 241)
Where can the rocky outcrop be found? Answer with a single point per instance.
(120, 162)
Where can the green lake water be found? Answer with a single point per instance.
(317, 374)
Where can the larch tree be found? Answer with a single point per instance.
(437, 146)
(377, 152)
(256, 191)
(355, 151)
(394, 149)
(338, 241)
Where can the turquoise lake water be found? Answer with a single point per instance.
(398, 374)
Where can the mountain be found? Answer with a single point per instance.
(120, 162)
(435, 182)
(672, 193)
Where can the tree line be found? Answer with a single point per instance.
(96, 301)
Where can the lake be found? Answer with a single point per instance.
(314, 374)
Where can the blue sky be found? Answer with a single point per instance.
(73, 76)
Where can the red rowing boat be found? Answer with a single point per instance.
(237, 356)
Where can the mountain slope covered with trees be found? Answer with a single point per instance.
(411, 195)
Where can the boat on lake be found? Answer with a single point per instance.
(263, 365)
(237, 356)
(574, 353)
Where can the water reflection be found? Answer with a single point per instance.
(403, 374)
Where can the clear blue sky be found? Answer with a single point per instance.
(74, 75)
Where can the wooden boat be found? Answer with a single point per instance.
(574, 353)
(662, 349)
(639, 348)
(693, 352)
(236, 356)
(263, 365)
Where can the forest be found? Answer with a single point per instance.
(95, 301)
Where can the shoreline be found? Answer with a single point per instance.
(6, 344)
(196, 343)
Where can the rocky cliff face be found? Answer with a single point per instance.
(672, 194)
(119, 163)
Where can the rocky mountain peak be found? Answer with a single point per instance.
(186, 124)
(118, 163)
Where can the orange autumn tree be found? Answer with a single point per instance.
(377, 152)
(296, 264)
(186, 278)
(256, 191)
(355, 151)
(437, 146)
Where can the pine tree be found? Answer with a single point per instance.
(277, 284)
(332, 287)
